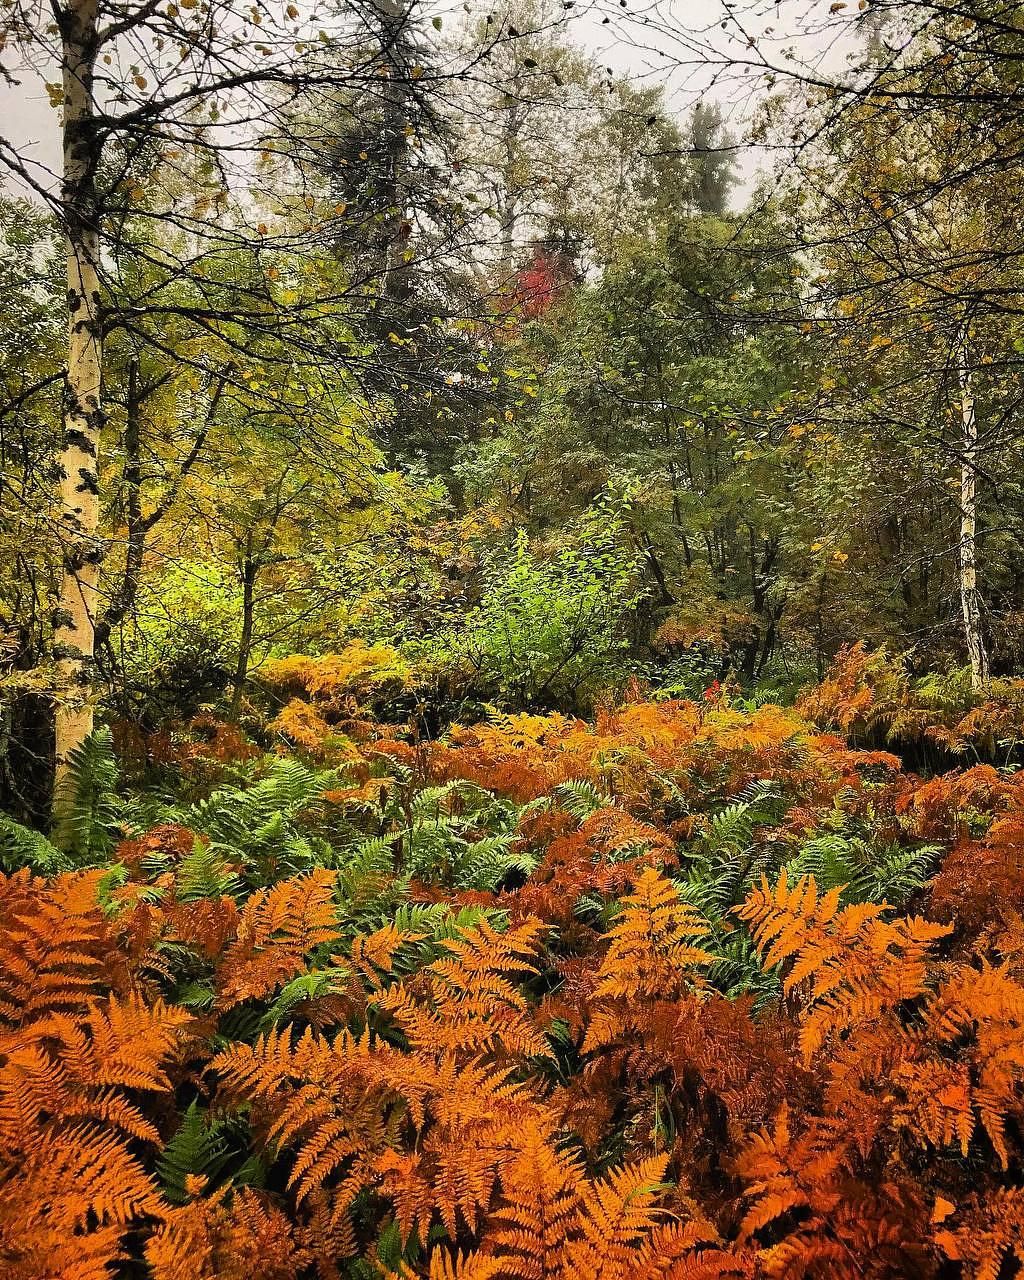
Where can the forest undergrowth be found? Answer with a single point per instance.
(696, 989)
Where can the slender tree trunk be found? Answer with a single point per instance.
(665, 596)
(970, 597)
(250, 569)
(121, 599)
(73, 633)
(508, 203)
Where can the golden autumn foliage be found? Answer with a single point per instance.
(659, 1047)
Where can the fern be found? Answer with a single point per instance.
(22, 847)
(736, 969)
(732, 828)
(199, 1147)
(278, 928)
(485, 863)
(87, 802)
(580, 798)
(856, 966)
(205, 874)
(864, 872)
(726, 860)
(255, 825)
(307, 988)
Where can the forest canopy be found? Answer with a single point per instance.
(511, 640)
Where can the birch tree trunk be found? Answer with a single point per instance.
(74, 623)
(970, 598)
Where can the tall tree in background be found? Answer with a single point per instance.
(166, 114)
(914, 276)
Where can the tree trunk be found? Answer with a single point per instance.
(121, 599)
(970, 597)
(250, 569)
(73, 633)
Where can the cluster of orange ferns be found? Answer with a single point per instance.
(562, 1089)
(869, 694)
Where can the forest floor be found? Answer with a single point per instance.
(690, 989)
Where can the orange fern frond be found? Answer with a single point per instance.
(785, 1174)
(691, 1250)
(857, 965)
(651, 956)
(474, 1005)
(206, 924)
(78, 1067)
(651, 952)
(79, 1177)
(446, 1266)
(980, 1014)
(277, 930)
(246, 1238)
(992, 1233)
(615, 1214)
(402, 1181)
(330, 1102)
(540, 1206)
(56, 946)
(374, 954)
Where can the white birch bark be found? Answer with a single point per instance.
(74, 627)
(970, 597)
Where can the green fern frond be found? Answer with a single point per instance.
(485, 863)
(869, 873)
(580, 798)
(737, 969)
(307, 986)
(87, 804)
(230, 815)
(22, 847)
(205, 873)
(198, 1148)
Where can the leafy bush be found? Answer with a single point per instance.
(549, 632)
(179, 653)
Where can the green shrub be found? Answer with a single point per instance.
(549, 632)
